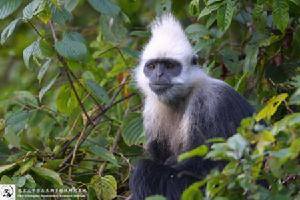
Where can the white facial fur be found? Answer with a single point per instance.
(168, 40)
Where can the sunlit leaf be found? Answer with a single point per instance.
(271, 107)
(200, 151)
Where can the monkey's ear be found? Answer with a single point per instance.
(194, 60)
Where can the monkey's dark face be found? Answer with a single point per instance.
(160, 73)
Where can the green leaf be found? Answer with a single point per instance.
(24, 98)
(32, 9)
(5, 168)
(47, 87)
(43, 70)
(7, 32)
(281, 14)
(229, 11)
(271, 107)
(17, 119)
(30, 51)
(66, 101)
(7, 7)
(209, 9)
(251, 52)
(297, 2)
(105, 187)
(133, 130)
(156, 197)
(104, 154)
(287, 122)
(238, 145)
(200, 151)
(70, 5)
(98, 91)
(193, 191)
(106, 7)
(113, 29)
(48, 174)
(26, 166)
(72, 47)
(60, 15)
(294, 149)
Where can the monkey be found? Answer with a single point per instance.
(183, 107)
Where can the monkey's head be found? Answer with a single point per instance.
(168, 67)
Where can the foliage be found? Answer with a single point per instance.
(70, 116)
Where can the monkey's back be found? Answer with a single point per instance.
(216, 111)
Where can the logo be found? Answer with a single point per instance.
(7, 192)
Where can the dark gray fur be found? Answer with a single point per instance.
(215, 111)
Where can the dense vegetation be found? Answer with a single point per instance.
(70, 115)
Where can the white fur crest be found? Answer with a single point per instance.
(168, 41)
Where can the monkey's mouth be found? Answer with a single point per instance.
(160, 88)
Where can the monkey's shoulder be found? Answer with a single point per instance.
(219, 98)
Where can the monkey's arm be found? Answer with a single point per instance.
(150, 178)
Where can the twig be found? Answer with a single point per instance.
(91, 126)
(35, 29)
(76, 95)
(53, 31)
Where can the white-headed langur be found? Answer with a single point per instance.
(183, 108)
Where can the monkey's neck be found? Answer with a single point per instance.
(166, 122)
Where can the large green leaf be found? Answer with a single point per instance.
(105, 187)
(66, 100)
(7, 7)
(281, 14)
(48, 174)
(133, 130)
(105, 7)
(71, 47)
(104, 154)
(98, 91)
(7, 32)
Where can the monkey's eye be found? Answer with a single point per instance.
(169, 65)
(151, 66)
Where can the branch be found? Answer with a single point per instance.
(76, 94)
